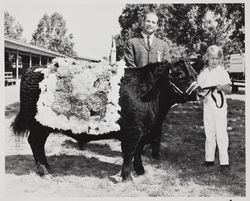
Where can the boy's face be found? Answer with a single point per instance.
(213, 60)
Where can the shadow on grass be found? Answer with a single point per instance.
(62, 165)
(103, 149)
(11, 110)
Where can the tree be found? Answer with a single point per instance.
(12, 28)
(189, 28)
(236, 13)
(219, 24)
(51, 33)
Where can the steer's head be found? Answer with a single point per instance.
(183, 83)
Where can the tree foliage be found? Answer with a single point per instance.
(51, 33)
(188, 28)
(12, 28)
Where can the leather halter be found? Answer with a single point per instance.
(194, 85)
(187, 93)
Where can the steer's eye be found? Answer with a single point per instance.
(175, 74)
(178, 75)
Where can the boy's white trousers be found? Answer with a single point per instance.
(215, 124)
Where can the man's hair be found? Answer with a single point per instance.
(151, 13)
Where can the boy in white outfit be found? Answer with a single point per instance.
(215, 106)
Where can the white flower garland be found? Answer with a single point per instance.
(80, 96)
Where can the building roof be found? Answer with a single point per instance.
(25, 47)
(87, 58)
(88, 55)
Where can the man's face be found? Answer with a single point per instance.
(150, 24)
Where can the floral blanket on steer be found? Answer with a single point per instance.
(80, 96)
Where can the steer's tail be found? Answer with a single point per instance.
(29, 94)
(19, 126)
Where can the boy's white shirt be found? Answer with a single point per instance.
(213, 77)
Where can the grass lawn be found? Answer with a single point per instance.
(184, 142)
(95, 170)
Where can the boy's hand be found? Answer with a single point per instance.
(225, 88)
(219, 87)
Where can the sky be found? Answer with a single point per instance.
(92, 24)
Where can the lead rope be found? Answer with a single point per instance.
(221, 96)
(212, 88)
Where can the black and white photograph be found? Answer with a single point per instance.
(124, 99)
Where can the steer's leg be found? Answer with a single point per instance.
(137, 164)
(156, 142)
(156, 128)
(129, 143)
(37, 138)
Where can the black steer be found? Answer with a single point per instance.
(146, 96)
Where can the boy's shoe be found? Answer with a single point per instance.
(224, 168)
(208, 163)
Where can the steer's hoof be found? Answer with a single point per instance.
(42, 170)
(126, 176)
(139, 171)
(156, 156)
